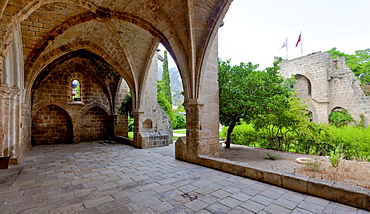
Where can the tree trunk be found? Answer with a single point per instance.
(229, 131)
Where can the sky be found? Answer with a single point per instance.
(255, 30)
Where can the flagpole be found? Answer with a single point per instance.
(286, 41)
(301, 45)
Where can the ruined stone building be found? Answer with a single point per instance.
(65, 66)
(327, 85)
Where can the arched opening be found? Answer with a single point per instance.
(76, 90)
(302, 86)
(51, 124)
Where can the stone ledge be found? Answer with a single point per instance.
(334, 191)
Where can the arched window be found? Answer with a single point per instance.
(76, 90)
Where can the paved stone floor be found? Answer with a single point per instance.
(97, 178)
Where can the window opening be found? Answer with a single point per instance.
(76, 90)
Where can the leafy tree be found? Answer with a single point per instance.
(181, 121)
(359, 62)
(166, 81)
(126, 109)
(278, 125)
(246, 94)
(165, 104)
(340, 118)
(126, 106)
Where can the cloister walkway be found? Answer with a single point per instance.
(98, 178)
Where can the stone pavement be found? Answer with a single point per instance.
(98, 178)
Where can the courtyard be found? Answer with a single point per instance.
(93, 177)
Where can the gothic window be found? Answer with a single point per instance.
(76, 90)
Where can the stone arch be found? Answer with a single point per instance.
(337, 109)
(103, 107)
(303, 85)
(35, 68)
(60, 103)
(51, 124)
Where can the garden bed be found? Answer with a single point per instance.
(354, 173)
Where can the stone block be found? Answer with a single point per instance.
(207, 162)
(216, 164)
(239, 170)
(180, 148)
(295, 182)
(272, 177)
(352, 195)
(254, 173)
(228, 166)
(321, 188)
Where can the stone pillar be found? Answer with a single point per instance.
(202, 115)
(25, 133)
(121, 126)
(3, 146)
(137, 128)
(3, 4)
(14, 121)
(194, 132)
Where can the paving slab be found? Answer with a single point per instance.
(92, 177)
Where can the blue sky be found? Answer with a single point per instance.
(255, 30)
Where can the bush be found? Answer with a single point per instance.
(340, 118)
(130, 124)
(317, 139)
(243, 134)
(181, 121)
(355, 141)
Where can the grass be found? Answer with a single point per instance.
(272, 157)
(180, 131)
(131, 135)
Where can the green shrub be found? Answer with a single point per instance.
(355, 141)
(243, 134)
(130, 124)
(312, 138)
(340, 118)
(181, 121)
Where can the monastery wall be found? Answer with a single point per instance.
(327, 84)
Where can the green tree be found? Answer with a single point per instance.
(165, 104)
(246, 94)
(166, 81)
(359, 62)
(126, 106)
(278, 125)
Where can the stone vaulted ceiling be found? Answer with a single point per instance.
(125, 33)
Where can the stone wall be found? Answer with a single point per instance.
(153, 128)
(325, 84)
(51, 124)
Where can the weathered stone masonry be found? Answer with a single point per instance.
(110, 46)
(327, 84)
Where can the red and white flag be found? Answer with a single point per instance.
(299, 39)
(284, 45)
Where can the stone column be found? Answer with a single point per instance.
(3, 4)
(194, 133)
(202, 114)
(121, 126)
(3, 147)
(137, 128)
(14, 120)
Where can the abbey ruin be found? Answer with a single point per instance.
(327, 85)
(66, 65)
